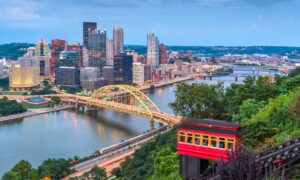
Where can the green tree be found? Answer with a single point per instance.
(11, 175)
(4, 84)
(56, 100)
(294, 72)
(248, 108)
(166, 162)
(47, 84)
(117, 172)
(9, 107)
(200, 100)
(259, 89)
(55, 168)
(294, 108)
(33, 175)
(23, 167)
(257, 133)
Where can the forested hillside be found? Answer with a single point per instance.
(13, 50)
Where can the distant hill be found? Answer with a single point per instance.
(221, 50)
(15, 50)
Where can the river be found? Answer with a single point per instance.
(64, 134)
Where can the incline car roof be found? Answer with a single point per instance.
(212, 122)
(211, 125)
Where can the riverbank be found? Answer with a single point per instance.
(32, 112)
(157, 85)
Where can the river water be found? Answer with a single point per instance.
(64, 134)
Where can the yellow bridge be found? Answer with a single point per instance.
(122, 98)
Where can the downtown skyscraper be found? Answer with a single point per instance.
(88, 26)
(118, 38)
(152, 50)
(97, 48)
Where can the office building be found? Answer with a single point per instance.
(118, 37)
(108, 74)
(97, 48)
(24, 78)
(163, 56)
(28, 60)
(43, 58)
(85, 56)
(152, 50)
(88, 26)
(147, 74)
(109, 51)
(78, 49)
(123, 69)
(92, 85)
(138, 73)
(57, 46)
(89, 73)
(67, 76)
(67, 58)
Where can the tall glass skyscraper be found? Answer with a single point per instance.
(152, 50)
(123, 69)
(88, 26)
(97, 48)
(118, 37)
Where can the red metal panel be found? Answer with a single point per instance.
(202, 151)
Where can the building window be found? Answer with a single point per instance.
(190, 138)
(230, 143)
(222, 143)
(205, 140)
(213, 141)
(197, 139)
(182, 137)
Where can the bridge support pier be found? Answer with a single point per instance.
(151, 124)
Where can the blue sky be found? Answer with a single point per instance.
(176, 22)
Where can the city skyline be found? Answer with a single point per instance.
(197, 22)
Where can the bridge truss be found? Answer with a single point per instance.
(128, 95)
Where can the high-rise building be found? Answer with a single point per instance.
(118, 37)
(152, 50)
(123, 69)
(109, 51)
(88, 26)
(85, 56)
(97, 48)
(138, 72)
(67, 76)
(108, 74)
(43, 58)
(28, 60)
(89, 73)
(148, 73)
(163, 56)
(76, 47)
(24, 77)
(57, 46)
(67, 58)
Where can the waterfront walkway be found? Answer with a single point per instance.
(33, 112)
